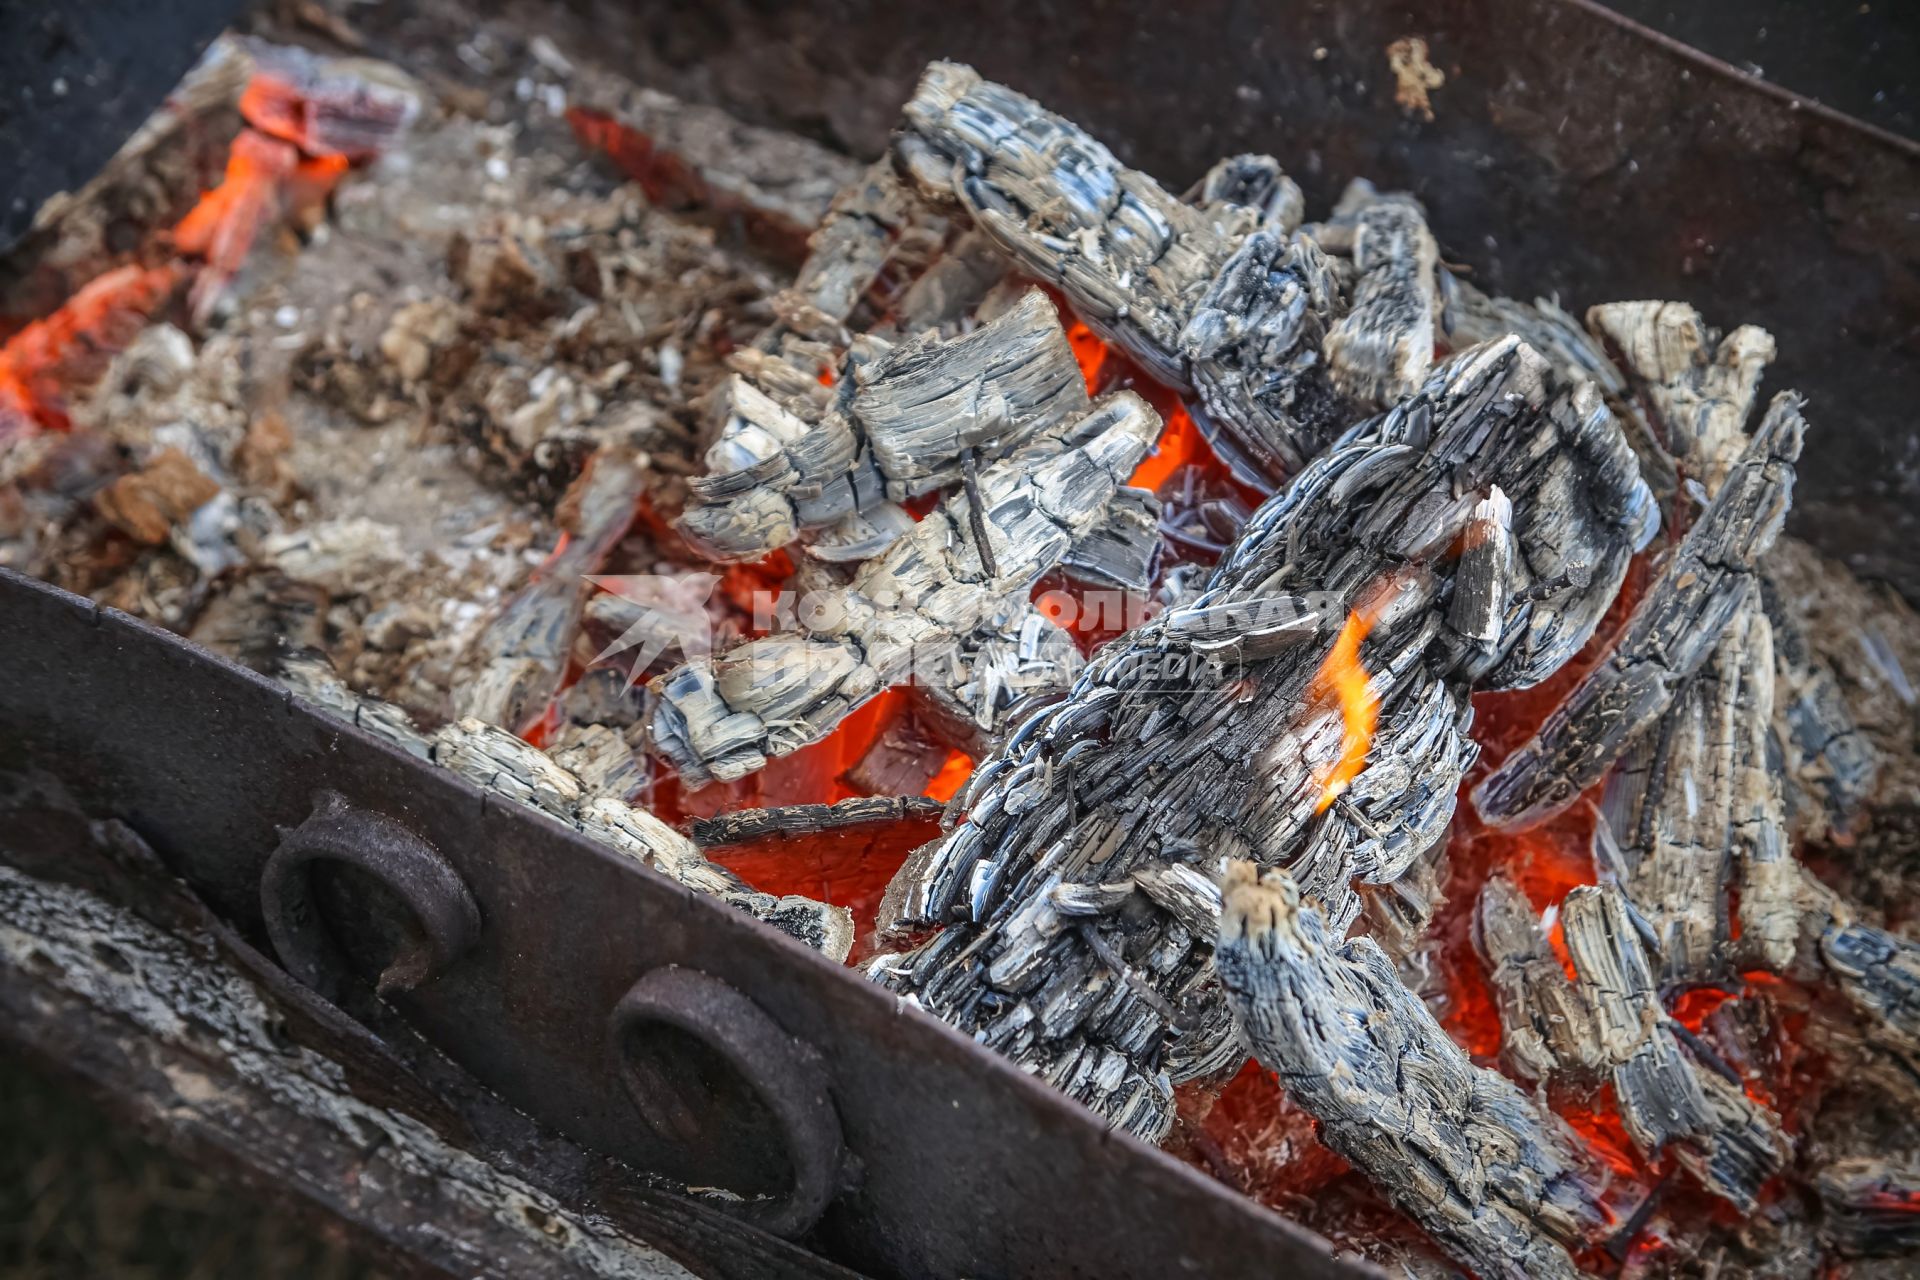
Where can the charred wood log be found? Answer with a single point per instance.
(1667, 1099)
(1206, 732)
(1697, 388)
(1702, 587)
(743, 825)
(1497, 1180)
(1233, 307)
(1872, 1205)
(903, 612)
(791, 456)
(1546, 1026)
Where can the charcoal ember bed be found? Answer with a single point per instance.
(1369, 736)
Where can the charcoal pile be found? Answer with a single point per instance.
(1368, 735)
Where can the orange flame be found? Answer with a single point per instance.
(223, 226)
(1342, 677)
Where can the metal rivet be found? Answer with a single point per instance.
(787, 1076)
(446, 916)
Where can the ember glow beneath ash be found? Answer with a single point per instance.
(1223, 661)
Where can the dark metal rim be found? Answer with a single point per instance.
(442, 907)
(786, 1075)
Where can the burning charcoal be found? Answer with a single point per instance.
(1872, 1206)
(847, 252)
(1730, 1143)
(1248, 192)
(1701, 589)
(942, 298)
(681, 153)
(1546, 1026)
(790, 457)
(723, 718)
(351, 107)
(1019, 652)
(1239, 318)
(521, 658)
(1697, 392)
(601, 759)
(1381, 349)
(1233, 727)
(312, 679)
(1499, 1182)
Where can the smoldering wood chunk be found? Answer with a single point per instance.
(943, 297)
(312, 679)
(1246, 192)
(1469, 316)
(1205, 733)
(1872, 1205)
(967, 691)
(782, 184)
(1494, 1178)
(1138, 265)
(790, 456)
(905, 611)
(1730, 1143)
(643, 837)
(1693, 801)
(1122, 550)
(1486, 568)
(1253, 346)
(495, 760)
(1879, 973)
(1698, 388)
(1829, 765)
(1702, 586)
(743, 825)
(602, 759)
(1382, 348)
(926, 402)
(1546, 1026)
(852, 244)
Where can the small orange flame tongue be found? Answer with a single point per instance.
(1342, 678)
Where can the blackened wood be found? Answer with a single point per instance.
(1200, 736)
(1491, 1174)
(1701, 587)
(743, 825)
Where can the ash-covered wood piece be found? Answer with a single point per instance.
(793, 456)
(1208, 732)
(1694, 801)
(1469, 317)
(1872, 1205)
(519, 661)
(1233, 307)
(1495, 1178)
(1697, 387)
(1667, 1099)
(1830, 765)
(1382, 347)
(1546, 1026)
(743, 825)
(1879, 973)
(497, 761)
(1123, 549)
(903, 613)
(1702, 587)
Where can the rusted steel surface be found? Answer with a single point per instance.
(954, 1163)
(1570, 152)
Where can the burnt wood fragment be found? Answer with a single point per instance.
(743, 825)
(1204, 734)
(1667, 1098)
(1702, 586)
(1493, 1176)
